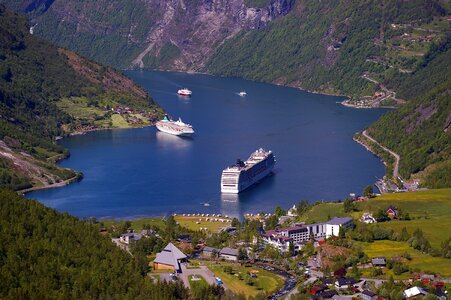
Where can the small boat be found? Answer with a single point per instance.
(242, 93)
(184, 92)
(206, 204)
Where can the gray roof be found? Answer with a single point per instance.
(368, 293)
(339, 221)
(211, 249)
(229, 251)
(170, 256)
(378, 261)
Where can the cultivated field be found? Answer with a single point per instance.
(198, 222)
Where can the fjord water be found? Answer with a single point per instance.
(143, 172)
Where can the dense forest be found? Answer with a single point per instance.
(49, 255)
(419, 132)
(35, 79)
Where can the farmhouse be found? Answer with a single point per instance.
(169, 259)
(392, 212)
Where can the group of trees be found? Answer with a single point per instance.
(48, 255)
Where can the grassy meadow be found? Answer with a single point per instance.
(265, 281)
(419, 260)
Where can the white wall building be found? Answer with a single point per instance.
(333, 226)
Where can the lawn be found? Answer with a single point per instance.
(191, 223)
(137, 224)
(265, 281)
(419, 260)
(322, 212)
(197, 285)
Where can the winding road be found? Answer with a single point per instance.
(396, 156)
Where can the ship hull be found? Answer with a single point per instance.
(173, 132)
(236, 182)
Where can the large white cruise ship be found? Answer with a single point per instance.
(242, 175)
(174, 127)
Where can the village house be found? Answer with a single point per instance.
(378, 262)
(318, 288)
(368, 295)
(229, 254)
(414, 292)
(392, 212)
(325, 295)
(127, 238)
(344, 282)
(209, 252)
(169, 259)
(368, 218)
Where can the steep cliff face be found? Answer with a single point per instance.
(168, 34)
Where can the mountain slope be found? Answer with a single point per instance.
(46, 92)
(379, 52)
(170, 34)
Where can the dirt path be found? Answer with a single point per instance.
(396, 156)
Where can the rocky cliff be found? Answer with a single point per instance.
(166, 34)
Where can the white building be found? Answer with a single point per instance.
(292, 212)
(414, 291)
(229, 254)
(368, 218)
(333, 226)
(317, 231)
(282, 237)
(128, 237)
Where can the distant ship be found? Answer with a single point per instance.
(242, 93)
(174, 127)
(184, 92)
(242, 175)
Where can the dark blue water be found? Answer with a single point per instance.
(142, 172)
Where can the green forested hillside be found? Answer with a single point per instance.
(326, 45)
(47, 92)
(420, 133)
(49, 255)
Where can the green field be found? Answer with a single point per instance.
(419, 260)
(322, 212)
(430, 211)
(197, 285)
(265, 281)
(137, 224)
(191, 223)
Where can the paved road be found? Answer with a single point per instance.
(201, 271)
(396, 156)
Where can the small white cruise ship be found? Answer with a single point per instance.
(242, 175)
(174, 127)
(184, 92)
